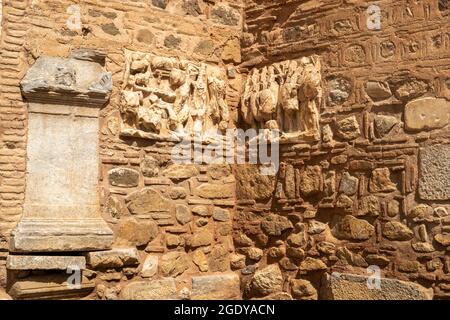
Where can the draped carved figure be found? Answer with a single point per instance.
(166, 98)
(285, 96)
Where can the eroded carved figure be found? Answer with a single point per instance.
(286, 96)
(167, 98)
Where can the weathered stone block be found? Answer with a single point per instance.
(150, 267)
(50, 287)
(339, 286)
(14, 262)
(146, 201)
(352, 228)
(115, 258)
(434, 172)
(216, 287)
(164, 289)
(267, 280)
(123, 177)
(426, 114)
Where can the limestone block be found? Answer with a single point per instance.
(123, 177)
(352, 228)
(377, 90)
(22, 262)
(216, 287)
(146, 201)
(173, 264)
(267, 280)
(394, 230)
(54, 286)
(54, 235)
(57, 79)
(215, 191)
(163, 289)
(339, 286)
(426, 114)
(348, 128)
(434, 172)
(4, 295)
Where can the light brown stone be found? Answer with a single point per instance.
(173, 264)
(427, 113)
(338, 286)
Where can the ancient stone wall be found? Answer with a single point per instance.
(372, 191)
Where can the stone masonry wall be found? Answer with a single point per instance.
(373, 191)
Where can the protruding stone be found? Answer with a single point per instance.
(22, 262)
(378, 90)
(180, 172)
(380, 181)
(384, 124)
(164, 289)
(339, 286)
(312, 265)
(146, 201)
(255, 254)
(423, 247)
(237, 261)
(267, 280)
(443, 239)
(434, 172)
(123, 177)
(199, 258)
(352, 228)
(348, 128)
(216, 287)
(225, 15)
(218, 259)
(55, 286)
(311, 181)
(200, 238)
(150, 167)
(426, 114)
(173, 264)
(215, 191)
(303, 290)
(369, 205)
(149, 267)
(183, 214)
(221, 215)
(421, 211)
(135, 232)
(115, 258)
(201, 211)
(275, 225)
(252, 184)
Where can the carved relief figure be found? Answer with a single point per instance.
(286, 96)
(166, 98)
